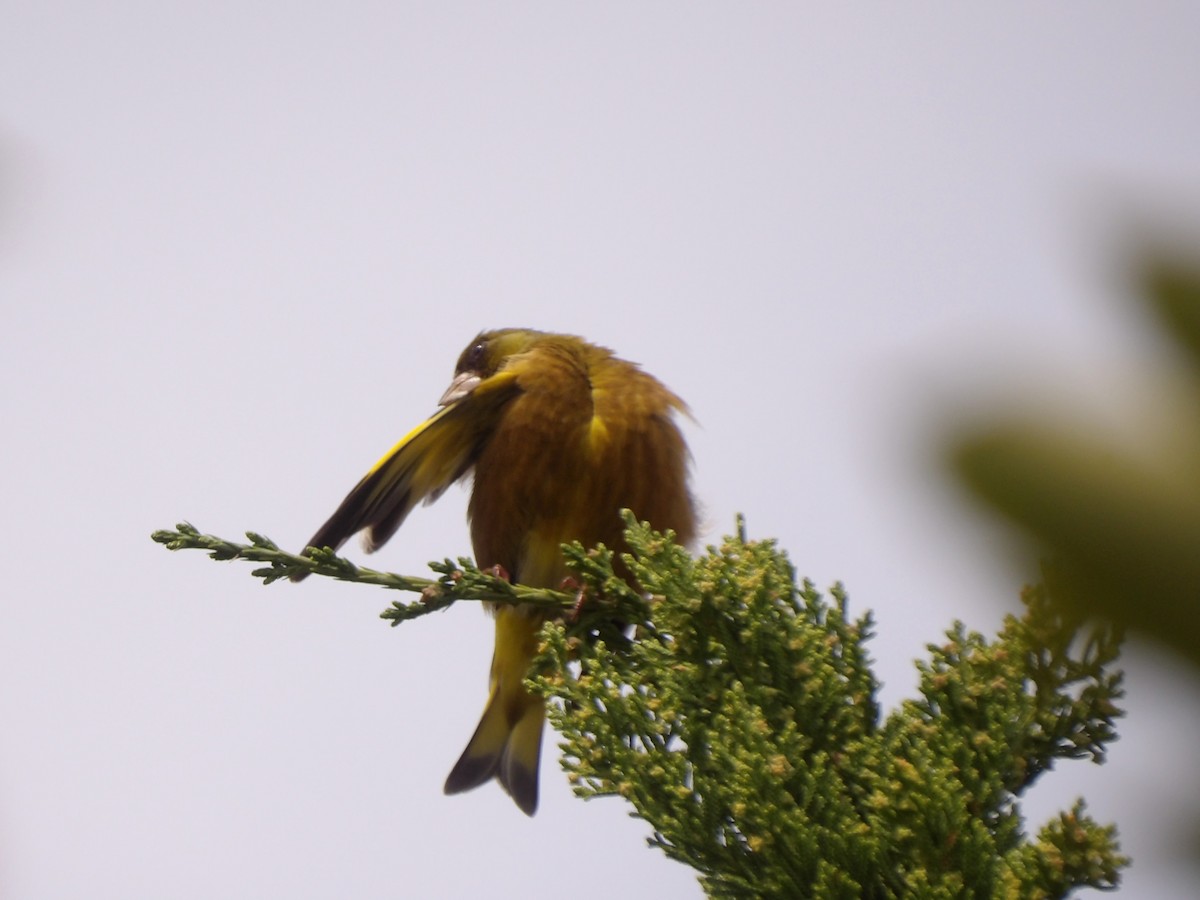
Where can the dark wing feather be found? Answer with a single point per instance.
(418, 468)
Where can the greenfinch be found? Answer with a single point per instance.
(560, 435)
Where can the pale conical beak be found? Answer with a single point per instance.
(463, 384)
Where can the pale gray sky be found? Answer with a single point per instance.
(241, 246)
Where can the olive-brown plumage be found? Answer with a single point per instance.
(560, 435)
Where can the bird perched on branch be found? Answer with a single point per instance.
(560, 435)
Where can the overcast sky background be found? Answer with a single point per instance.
(242, 244)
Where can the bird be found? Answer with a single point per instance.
(559, 435)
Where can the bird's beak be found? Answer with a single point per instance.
(463, 384)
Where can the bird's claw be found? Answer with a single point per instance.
(570, 584)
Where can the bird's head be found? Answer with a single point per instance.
(485, 356)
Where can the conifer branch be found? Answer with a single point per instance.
(457, 581)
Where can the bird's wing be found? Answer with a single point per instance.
(419, 467)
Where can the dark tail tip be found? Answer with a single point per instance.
(470, 772)
(519, 782)
(522, 785)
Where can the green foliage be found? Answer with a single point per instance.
(742, 725)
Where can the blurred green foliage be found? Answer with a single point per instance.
(1122, 521)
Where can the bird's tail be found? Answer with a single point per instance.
(507, 743)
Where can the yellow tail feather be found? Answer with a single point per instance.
(507, 743)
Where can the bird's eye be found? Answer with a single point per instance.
(473, 359)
